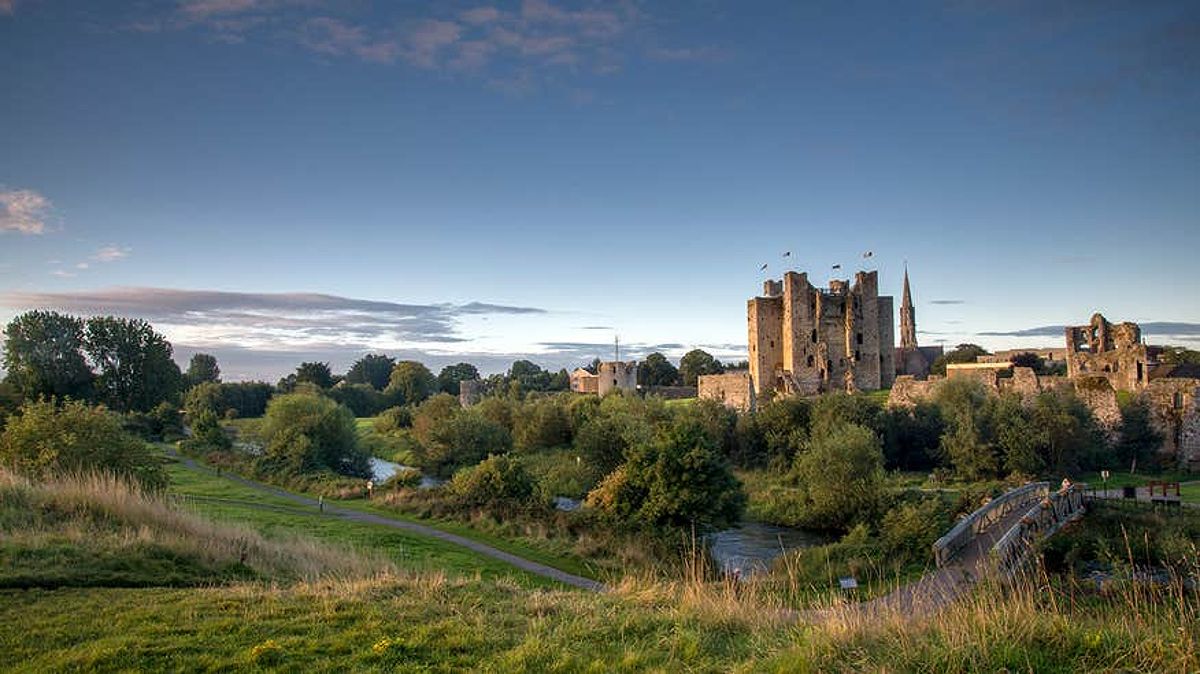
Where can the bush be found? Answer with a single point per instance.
(361, 399)
(499, 481)
(680, 479)
(207, 434)
(910, 530)
(307, 433)
(45, 439)
(840, 477)
(432, 414)
(542, 424)
(392, 420)
(465, 439)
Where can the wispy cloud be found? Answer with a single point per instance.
(947, 301)
(110, 253)
(273, 321)
(22, 210)
(1168, 329)
(514, 48)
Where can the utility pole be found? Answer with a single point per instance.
(616, 348)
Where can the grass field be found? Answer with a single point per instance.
(407, 550)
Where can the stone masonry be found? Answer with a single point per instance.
(731, 389)
(807, 340)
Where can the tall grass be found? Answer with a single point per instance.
(99, 510)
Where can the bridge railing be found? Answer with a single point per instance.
(1043, 519)
(947, 547)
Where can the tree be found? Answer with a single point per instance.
(529, 376)
(542, 424)
(838, 409)
(135, 370)
(695, 363)
(1027, 359)
(963, 353)
(679, 479)
(411, 382)
(431, 414)
(46, 440)
(963, 443)
(463, 440)
(451, 375)
(841, 477)
(43, 355)
(783, 425)
(307, 433)
(910, 436)
(1178, 355)
(317, 374)
(373, 370)
(1137, 439)
(362, 399)
(1017, 438)
(656, 370)
(207, 433)
(206, 397)
(203, 368)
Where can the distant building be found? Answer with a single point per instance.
(911, 358)
(609, 375)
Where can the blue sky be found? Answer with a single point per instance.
(276, 180)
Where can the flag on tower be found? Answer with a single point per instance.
(788, 254)
(763, 268)
(837, 266)
(868, 254)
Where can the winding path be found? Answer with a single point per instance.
(530, 566)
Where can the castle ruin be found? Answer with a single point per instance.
(808, 340)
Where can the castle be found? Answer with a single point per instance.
(807, 340)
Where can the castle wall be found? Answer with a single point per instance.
(764, 316)
(887, 340)
(732, 389)
(616, 375)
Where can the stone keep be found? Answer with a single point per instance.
(808, 340)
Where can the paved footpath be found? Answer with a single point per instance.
(528, 565)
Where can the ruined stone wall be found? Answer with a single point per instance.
(613, 375)
(887, 341)
(908, 390)
(469, 392)
(1114, 352)
(1098, 394)
(1175, 413)
(732, 389)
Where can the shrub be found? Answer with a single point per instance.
(46, 439)
(306, 433)
(393, 419)
(841, 477)
(497, 481)
(542, 424)
(361, 399)
(465, 439)
(909, 531)
(680, 479)
(207, 434)
(432, 414)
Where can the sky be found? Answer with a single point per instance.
(274, 181)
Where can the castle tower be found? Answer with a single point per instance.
(908, 317)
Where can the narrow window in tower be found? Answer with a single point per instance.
(810, 361)
(814, 336)
(858, 338)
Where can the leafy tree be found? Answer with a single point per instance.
(451, 375)
(542, 424)
(602, 442)
(559, 381)
(837, 409)
(910, 436)
(431, 414)
(1137, 439)
(656, 370)
(1019, 441)
(463, 440)
(1068, 431)
(499, 481)
(679, 479)
(841, 477)
(134, 364)
(248, 399)
(1178, 355)
(393, 419)
(10, 402)
(964, 443)
(1027, 359)
(317, 374)
(46, 440)
(411, 382)
(202, 368)
(963, 353)
(910, 530)
(784, 426)
(206, 397)
(373, 370)
(529, 376)
(361, 399)
(695, 363)
(308, 433)
(207, 433)
(43, 355)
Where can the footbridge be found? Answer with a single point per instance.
(995, 539)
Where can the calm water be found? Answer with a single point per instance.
(751, 547)
(384, 470)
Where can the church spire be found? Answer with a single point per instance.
(908, 317)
